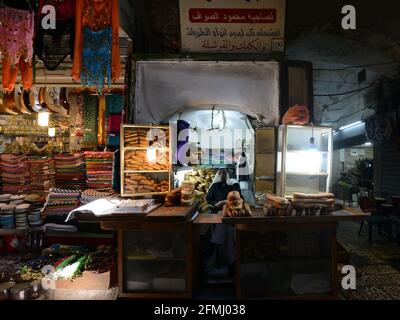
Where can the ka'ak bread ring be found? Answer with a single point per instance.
(233, 195)
(235, 203)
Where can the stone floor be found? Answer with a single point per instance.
(377, 264)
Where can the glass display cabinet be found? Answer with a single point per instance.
(304, 160)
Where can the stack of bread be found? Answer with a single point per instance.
(137, 160)
(276, 205)
(188, 195)
(142, 137)
(313, 204)
(138, 183)
(173, 198)
(235, 206)
(201, 199)
(201, 178)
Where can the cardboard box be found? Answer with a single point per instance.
(88, 281)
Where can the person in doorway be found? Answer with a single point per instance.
(222, 237)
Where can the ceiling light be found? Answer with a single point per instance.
(351, 125)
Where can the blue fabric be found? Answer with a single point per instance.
(96, 57)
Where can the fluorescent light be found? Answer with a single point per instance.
(351, 125)
(368, 144)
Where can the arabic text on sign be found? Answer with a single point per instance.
(201, 15)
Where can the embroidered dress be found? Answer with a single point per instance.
(96, 58)
(96, 28)
(16, 46)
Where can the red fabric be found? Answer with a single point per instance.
(64, 9)
(298, 115)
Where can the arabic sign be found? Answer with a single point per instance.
(232, 26)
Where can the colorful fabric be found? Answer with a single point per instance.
(96, 58)
(114, 108)
(90, 112)
(42, 174)
(16, 34)
(10, 72)
(92, 18)
(99, 170)
(15, 174)
(70, 171)
(65, 9)
(101, 132)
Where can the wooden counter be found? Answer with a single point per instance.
(163, 222)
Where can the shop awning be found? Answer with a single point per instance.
(166, 87)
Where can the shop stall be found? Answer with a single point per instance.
(146, 197)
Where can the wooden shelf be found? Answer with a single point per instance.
(146, 171)
(155, 259)
(317, 174)
(144, 194)
(127, 193)
(145, 148)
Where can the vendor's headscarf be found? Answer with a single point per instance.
(229, 181)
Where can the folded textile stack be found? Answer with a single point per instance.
(313, 204)
(61, 201)
(90, 195)
(42, 172)
(99, 170)
(21, 216)
(59, 228)
(15, 174)
(276, 205)
(70, 171)
(36, 205)
(7, 218)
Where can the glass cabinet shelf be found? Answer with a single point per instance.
(304, 159)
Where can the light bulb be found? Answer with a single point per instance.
(151, 154)
(43, 118)
(52, 132)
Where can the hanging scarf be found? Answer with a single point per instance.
(16, 34)
(76, 121)
(101, 133)
(96, 58)
(114, 107)
(90, 113)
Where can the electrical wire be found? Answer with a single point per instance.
(344, 93)
(357, 66)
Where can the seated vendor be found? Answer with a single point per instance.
(221, 253)
(219, 189)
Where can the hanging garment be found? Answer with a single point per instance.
(10, 71)
(76, 121)
(90, 113)
(65, 9)
(96, 15)
(114, 108)
(96, 58)
(101, 132)
(52, 46)
(16, 46)
(92, 18)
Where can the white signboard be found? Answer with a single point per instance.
(236, 26)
